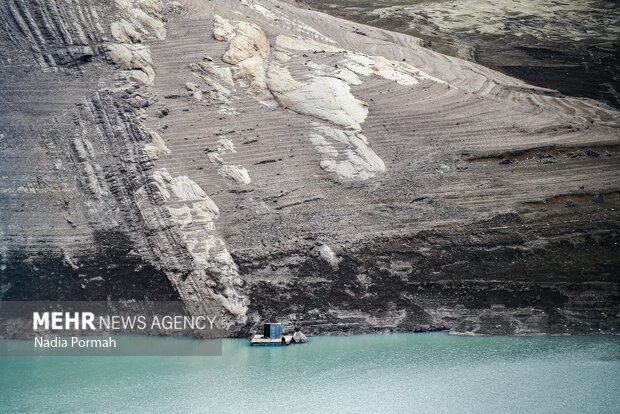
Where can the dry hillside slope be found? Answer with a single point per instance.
(274, 163)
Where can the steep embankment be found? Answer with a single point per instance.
(269, 162)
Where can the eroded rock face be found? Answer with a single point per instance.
(248, 49)
(222, 29)
(358, 161)
(324, 98)
(269, 170)
(249, 41)
(136, 59)
(194, 213)
(145, 15)
(124, 32)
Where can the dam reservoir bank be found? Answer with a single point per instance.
(264, 162)
(417, 372)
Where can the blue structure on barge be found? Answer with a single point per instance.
(272, 336)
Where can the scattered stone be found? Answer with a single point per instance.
(236, 173)
(164, 111)
(328, 255)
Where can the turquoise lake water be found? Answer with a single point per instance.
(395, 373)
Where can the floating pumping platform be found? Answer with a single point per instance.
(260, 340)
(272, 336)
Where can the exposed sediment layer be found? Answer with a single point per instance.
(272, 163)
(569, 46)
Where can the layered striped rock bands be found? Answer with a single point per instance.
(265, 162)
(57, 33)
